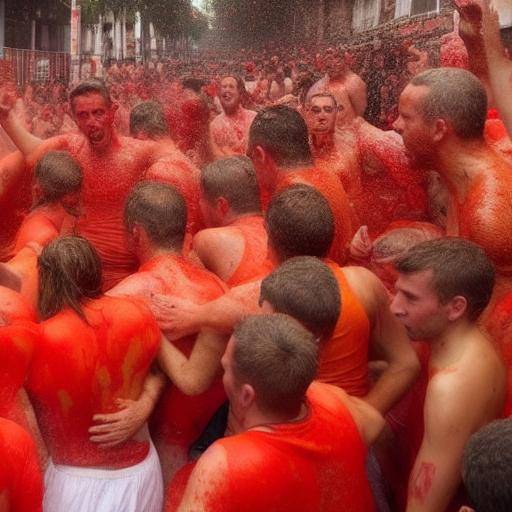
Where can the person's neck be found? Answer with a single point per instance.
(451, 343)
(112, 142)
(459, 162)
(235, 112)
(257, 419)
(297, 166)
(233, 217)
(323, 143)
(153, 251)
(54, 212)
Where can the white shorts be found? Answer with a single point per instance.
(137, 488)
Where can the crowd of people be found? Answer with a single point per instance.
(223, 288)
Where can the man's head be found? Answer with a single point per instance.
(58, 179)
(278, 138)
(147, 121)
(269, 363)
(69, 274)
(299, 222)
(93, 112)
(228, 189)
(304, 288)
(487, 468)
(439, 105)
(321, 110)
(440, 283)
(155, 216)
(232, 90)
(334, 64)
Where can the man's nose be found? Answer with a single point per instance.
(398, 125)
(396, 307)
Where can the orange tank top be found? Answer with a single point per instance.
(254, 258)
(316, 464)
(343, 359)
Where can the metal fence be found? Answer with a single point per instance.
(38, 66)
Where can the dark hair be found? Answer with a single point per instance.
(282, 132)
(457, 95)
(161, 210)
(459, 267)
(148, 117)
(69, 274)
(240, 84)
(93, 85)
(277, 356)
(306, 289)
(194, 84)
(235, 179)
(324, 94)
(487, 467)
(58, 174)
(299, 222)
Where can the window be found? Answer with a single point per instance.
(42, 70)
(415, 7)
(365, 14)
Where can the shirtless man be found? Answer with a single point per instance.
(92, 350)
(229, 131)
(269, 366)
(442, 288)
(147, 122)
(234, 247)
(442, 117)
(155, 218)
(280, 151)
(299, 223)
(111, 166)
(56, 197)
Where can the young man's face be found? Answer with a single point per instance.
(418, 307)
(229, 94)
(321, 115)
(94, 117)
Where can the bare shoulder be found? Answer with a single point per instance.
(139, 284)
(367, 287)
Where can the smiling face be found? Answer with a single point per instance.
(417, 306)
(229, 94)
(94, 117)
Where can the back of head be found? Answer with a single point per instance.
(306, 289)
(233, 178)
(194, 84)
(159, 209)
(300, 222)
(282, 132)
(455, 95)
(57, 173)
(69, 274)
(459, 267)
(148, 117)
(90, 86)
(487, 467)
(277, 356)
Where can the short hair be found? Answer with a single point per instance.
(306, 289)
(69, 275)
(161, 210)
(235, 179)
(457, 95)
(92, 85)
(459, 267)
(278, 357)
(240, 84)
(192, 83)
(487, 467)
(149, 118)
(58, 174)
(282, 132)
(299, 222)
(323, 94)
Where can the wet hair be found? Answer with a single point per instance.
(306, 289)
(57, 173)
(235, 179)
(194, 84)
(459, 267)
(456, 95)
(282, 132)
(487, 467)
(325, 94)
(299, 222)
(161, 210)
(277, 356)
(93, 85)
(148, 117)
(69, 275)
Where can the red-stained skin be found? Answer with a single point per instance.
(422, 481)
(330, 187)
(178, 419)
(81, 368)
(21, 485)
(314, 464)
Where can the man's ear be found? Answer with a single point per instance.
(441, 129)
(259, 155)
(222, 205)
(247, 396)
(457, 307)
(465, 508)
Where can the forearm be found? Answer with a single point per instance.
(21, 137)
(222, 314)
